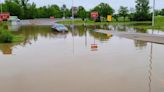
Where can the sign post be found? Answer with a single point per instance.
(64, 8)
(94, 15)
(109, 18)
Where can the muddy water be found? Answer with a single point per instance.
(65, 62)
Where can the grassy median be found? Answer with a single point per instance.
(159, 23)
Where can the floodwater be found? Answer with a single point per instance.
(67, 62)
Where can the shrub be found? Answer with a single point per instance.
(6, 36)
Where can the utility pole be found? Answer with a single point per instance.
(64, 8)
(153, 17)
(72, 11)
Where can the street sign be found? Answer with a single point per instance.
(94, 15)
(5, 16)
(64, 6)
(109, 18)
(74, 10)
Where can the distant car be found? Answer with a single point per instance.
(59, 28)
(14, 20)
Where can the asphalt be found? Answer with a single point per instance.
(154, 38)
(40, 22)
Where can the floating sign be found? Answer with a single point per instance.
(109, 18)
(94, 47)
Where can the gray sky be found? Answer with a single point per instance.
(88, 4)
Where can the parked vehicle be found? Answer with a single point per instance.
(59, 28)
(14, 20)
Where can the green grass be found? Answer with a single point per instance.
(88, 22)
(80, 22)
(159, 23)
(7, 37)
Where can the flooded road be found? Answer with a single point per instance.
(67, 62)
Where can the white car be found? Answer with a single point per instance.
(59, 28)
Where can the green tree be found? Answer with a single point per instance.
(54, 10)
(142, 10)
(162, 12)
(116, 16)
(104, 9)
(81, 13)
(157, 12)
(68, 12)
(123, 11)
(24, 5)
(42, 12)
(31, 11)
(14, 9)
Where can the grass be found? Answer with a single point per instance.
(7, 37)
(159, 23)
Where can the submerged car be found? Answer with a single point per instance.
(59, 28)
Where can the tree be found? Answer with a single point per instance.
(116, 16)
(142, 10)
(31, 11)
(81, 13)
(157, 12)
(24, 5)
(68, 12)
(54, 10)
(123, 11)
(104, 9)
(162, 12)
(42, 12)
(14, 9)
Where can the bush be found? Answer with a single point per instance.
(6, 36)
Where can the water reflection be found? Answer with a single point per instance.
(33, 33)
(46, 62)
(6, 49)
(140, 44)
(150, 67)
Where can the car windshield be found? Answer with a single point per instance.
(60, 26)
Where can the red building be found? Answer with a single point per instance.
(5, 16)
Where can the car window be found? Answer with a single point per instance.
(60, 26)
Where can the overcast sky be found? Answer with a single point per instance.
(88, 4)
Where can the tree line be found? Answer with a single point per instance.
(25, 10)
